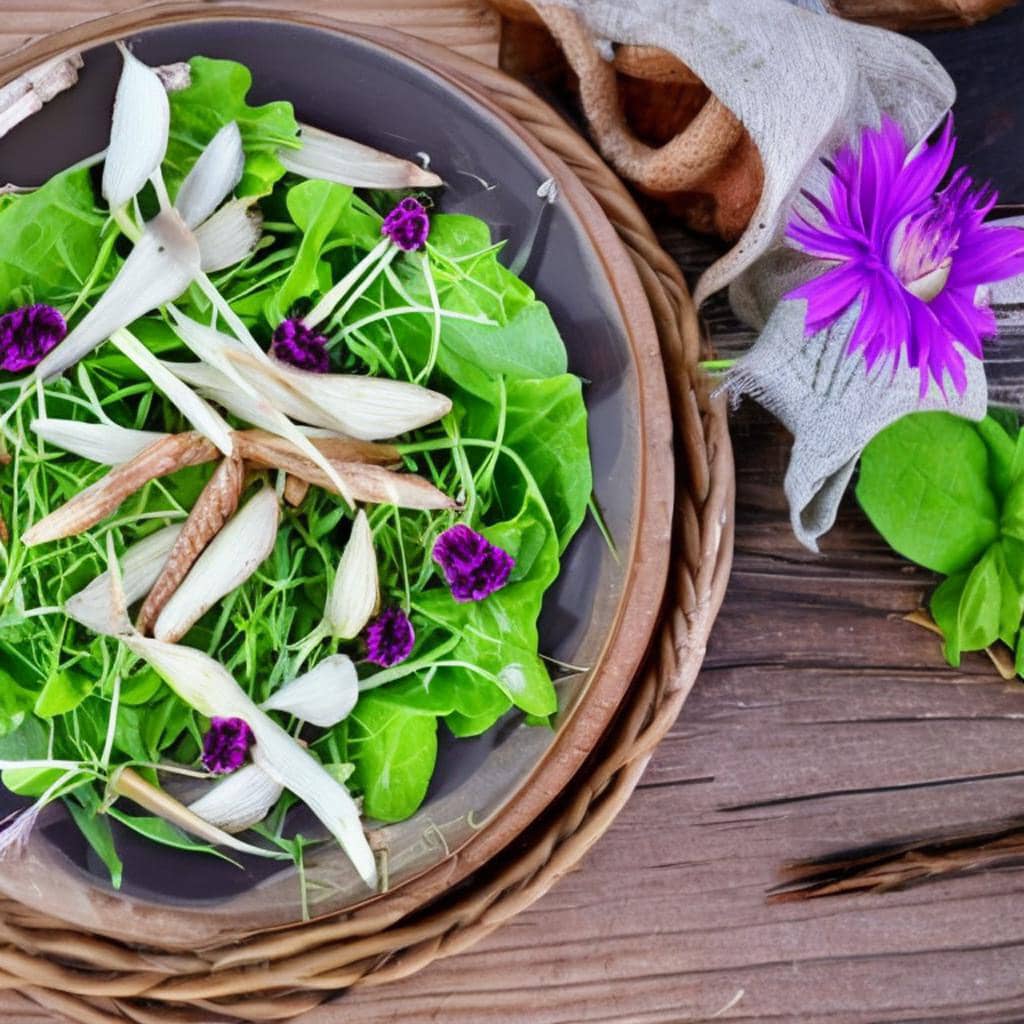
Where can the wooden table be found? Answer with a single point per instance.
(821, 720)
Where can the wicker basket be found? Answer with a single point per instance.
(283, 973)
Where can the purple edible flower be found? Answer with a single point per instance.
(407, 225)
(390, 638)
(27, 334)
(473, 566)
(298, 345)
(912, 257)
(226, 745)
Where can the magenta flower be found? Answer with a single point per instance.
(298, 345)
(473, 566)
(390, 638)
(226, 745)
(27, 334)
(407, 225)
(912, 257)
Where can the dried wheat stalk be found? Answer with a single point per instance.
(902, 863)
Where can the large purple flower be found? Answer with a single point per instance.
(913, 258)
(27, 334)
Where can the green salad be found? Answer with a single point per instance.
(290, 459)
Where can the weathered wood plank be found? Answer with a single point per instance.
(465, 25)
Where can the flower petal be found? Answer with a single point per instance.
(829, 295)
(988, 255)
(239, 800)
(356, 591)
(141, 565)
(333, 158)
(196, 410)
(213, 176)
(323, 696)
(138, 132)
(105, 443)
(230, 235)
(159, 268)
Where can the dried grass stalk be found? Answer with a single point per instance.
(900, 864)
(86, 509)
(215, 505)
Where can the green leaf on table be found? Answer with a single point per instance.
(924, 484)
(394, 749)
(944, 606)
(1002, 449)
(980, 609)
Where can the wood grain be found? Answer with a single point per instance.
(821, 721)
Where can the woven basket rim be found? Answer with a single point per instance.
(503, 886)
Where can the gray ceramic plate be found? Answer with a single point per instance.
(601, 610)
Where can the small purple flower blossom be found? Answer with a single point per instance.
(390, 638)
(28, 334)
(474, 567)
(913, 258)
(226, 745)
(298, 345)
(407, 225)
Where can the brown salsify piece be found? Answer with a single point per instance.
(214, 506)
(295, 490)
(369, 483)
(337, 449)
(86, 509)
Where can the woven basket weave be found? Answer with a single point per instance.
(281, 974)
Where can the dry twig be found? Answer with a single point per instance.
(902, 863)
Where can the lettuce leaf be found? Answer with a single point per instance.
(218, 94)
(50, 241)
